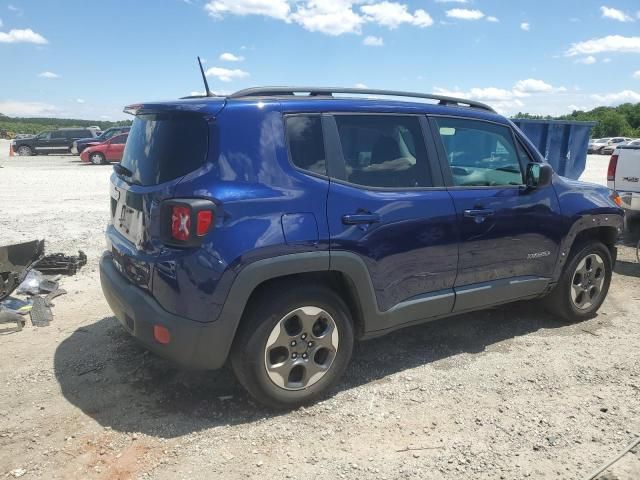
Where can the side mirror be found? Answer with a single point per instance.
(538, 175)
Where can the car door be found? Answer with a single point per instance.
(388, 207)
(43, 142)
(115, 148)
(509, 234)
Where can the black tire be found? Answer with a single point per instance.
(24, 151)
(268, 310)
(97, 158)
(560, 301)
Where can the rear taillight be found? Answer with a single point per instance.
(186, 221)
(180, 223)
(204, 219)
(611, 171)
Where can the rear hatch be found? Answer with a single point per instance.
(166, 142)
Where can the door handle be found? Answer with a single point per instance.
(478, 216)
(360, 218)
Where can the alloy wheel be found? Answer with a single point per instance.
(301, 348)
(587, 281)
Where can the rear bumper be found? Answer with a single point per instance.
(193, 344)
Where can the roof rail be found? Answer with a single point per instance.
(329, 91)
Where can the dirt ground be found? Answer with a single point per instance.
(507, 393)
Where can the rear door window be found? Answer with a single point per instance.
(384, 151)
(480, 153)
(165, 146)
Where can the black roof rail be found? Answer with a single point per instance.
(329, 91)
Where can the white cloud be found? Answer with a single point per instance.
(531, 85)
(464, 14)
(617, 98)
(525, 26)
(452, 1)
(393, 14)
(509, 100)
(225, 74)
(270, 8)
(371, 41)
(331, 17)
(230, 57)
(26, 109)
(590, 60)
(491, 18)
(606, 60)
(22, 36)
(48, 75)
(13, 8)
(0, 22)
(611, 43)
(615, 14)
(636, 74)
(360, 85)
(79, 100)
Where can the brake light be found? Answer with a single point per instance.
(180, 222)
(611, 171)
(204, 221)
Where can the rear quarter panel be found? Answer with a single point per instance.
(250, 178)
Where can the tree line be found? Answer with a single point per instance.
(620, 121)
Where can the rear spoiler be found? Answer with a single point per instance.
(205, 106)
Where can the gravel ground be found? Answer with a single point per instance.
(506, 393)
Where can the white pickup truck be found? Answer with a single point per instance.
(623, 175)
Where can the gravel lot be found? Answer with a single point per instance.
(506, 393)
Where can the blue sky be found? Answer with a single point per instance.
(72, 58)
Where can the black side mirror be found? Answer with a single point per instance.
(538, 175)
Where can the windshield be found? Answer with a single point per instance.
(162, 147)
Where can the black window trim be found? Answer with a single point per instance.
(338, 162)
(444, 162)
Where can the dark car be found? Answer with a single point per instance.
(79, 145)
(51, 141)
(297, 222)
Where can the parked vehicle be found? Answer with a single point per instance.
(613, 144)
(597, 144)
(297, 222)
(51, 141)
(79, 145)
(109, 151)
(623, 176)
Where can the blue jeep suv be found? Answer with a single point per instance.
(275, 226)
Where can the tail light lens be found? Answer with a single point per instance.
(180, 223)
(611, 171)
(185, 222)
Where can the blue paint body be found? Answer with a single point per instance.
(266, 208)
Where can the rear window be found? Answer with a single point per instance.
(162, 147)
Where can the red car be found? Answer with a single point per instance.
(109, 151)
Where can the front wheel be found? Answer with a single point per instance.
(293, 345)
(97, 158)
(25, 151)
(584, 283)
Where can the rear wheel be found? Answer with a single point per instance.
(293, 345)
(584, 283)
(25, 151)
(97, 158)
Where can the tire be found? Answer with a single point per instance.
(581, 289)
(308, 352)
(24, 151)
(97, 158)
